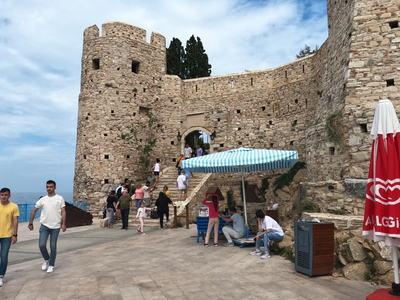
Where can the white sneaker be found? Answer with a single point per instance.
(255, 252)
(1, 281)
(50, 269)
(265, 256)
(45, 265)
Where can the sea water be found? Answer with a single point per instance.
(32, 197)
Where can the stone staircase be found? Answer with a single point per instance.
(168, 177)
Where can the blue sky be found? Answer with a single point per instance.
(40, 56)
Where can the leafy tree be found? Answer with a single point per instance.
(144, 138)
(196, 60)
(306, 51)
(175, 58)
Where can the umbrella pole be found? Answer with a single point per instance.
(244, 207)
(396, 284)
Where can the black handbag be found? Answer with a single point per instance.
(153, 214)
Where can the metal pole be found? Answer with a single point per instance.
(244, 206)
(395, 265)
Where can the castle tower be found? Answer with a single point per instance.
(120, 82)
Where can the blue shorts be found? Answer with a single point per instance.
(156, 173)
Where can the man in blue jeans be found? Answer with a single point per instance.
(52, 218)
(9, 214)
(268, 229)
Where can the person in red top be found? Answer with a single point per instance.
(213, 206)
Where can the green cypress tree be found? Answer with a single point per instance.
(175, 58)
(196, 60)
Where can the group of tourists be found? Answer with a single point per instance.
(268, 229)
(128, 197)
(52, 219)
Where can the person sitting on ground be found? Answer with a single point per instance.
(235, 230)
(268, 230)
(162, 207)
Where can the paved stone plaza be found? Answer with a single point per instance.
(102, 263)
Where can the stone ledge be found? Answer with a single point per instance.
(347, 222)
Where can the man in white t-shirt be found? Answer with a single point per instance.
(147, 189)
(187, 151)
(52, 218)
(181, 185)
(268, 229)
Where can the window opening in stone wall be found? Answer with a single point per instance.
(84, 156)
(134, 114)
(263, 108)
(239, 128)
(117, 92)
(306, 103)
(144, 110)
(363, 128)
(232, 83)
(331, 150)
(196, 87)
(172, 143)
(88, 114)
(251, 81)
(296, 101)
(174, 160)
(286, 74)
(144, 90)
(221, 145)
(271, 145)
(238, 111)
(117, 69)
(171, 100)
(218, 119)
(87, 118)
(390, 82)
(105, 134)
(270, 122)
(394, 24)
(240, 143)
(304, 69)
(96, 63)
(135, 66)
(112, 111)
(294, 123)
(106, 156)
(291, 143)
(105, 181)
(128, 156)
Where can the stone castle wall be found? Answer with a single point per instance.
(124, 77)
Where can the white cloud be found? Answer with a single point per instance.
(40, 56)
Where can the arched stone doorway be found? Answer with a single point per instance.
(203, 138)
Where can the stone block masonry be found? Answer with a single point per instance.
(124, 77)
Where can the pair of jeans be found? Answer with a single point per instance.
(125, 217)
(271, 236)
(44, 233)
(5, 244)
(137, 202)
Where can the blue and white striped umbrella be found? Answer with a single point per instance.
(241, 160)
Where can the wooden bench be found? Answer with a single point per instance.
(202, 225)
